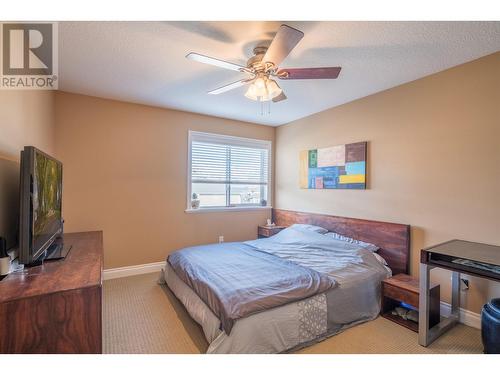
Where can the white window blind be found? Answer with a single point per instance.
(228, 171)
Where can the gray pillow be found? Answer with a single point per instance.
(312, 228)
(366, 245)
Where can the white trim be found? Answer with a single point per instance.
(466, 317)
(229, 139)
(189, 170)
(139, 269)
(222, 209)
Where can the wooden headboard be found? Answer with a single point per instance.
(393, 239)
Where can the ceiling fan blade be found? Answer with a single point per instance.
(284, 41)
(309, 73)
(216, 62)
(280, 97)
(231, 86)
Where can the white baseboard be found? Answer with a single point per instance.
(466, 317)
(114, 273)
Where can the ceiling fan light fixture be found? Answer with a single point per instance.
(265, 63)
(251, 93)
(273, 88)
(263, 90)
(260, 83)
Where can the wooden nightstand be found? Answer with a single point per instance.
(264, 231)
(403, 288)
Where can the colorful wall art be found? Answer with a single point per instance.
(336, 167)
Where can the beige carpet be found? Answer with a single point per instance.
(141, 316)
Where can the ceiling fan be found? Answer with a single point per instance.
(263, 68)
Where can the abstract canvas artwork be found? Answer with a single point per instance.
(336, 167)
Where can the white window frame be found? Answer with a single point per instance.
(236, 141)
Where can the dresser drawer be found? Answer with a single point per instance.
(399, 294)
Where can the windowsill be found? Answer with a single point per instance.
(221, 209)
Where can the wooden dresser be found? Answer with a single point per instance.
(56, 307)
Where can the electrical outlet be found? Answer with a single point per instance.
(221, 239)
(464, 284)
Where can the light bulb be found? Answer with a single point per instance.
(260, 83)
(263, 89)
(251, 92)
(273, 89)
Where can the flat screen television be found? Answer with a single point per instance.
(41, 223)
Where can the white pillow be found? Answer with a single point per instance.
(380, 259)
(312, 228)
(366, 245)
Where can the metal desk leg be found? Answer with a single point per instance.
(455, 295)
(423, 308)
(425, 335)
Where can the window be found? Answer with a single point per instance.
(227, 172)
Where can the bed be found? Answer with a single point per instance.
(291, 290)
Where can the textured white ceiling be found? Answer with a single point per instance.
(144, 62)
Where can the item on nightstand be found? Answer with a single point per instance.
(4, 266)
(4, 257)
(406, 314)
(400, 311)
(195, 201)
(490, 326)
(412, 315)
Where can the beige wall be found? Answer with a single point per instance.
(125, 172)
(433, 161)
(26, 118)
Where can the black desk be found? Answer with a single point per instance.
(472, 258)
